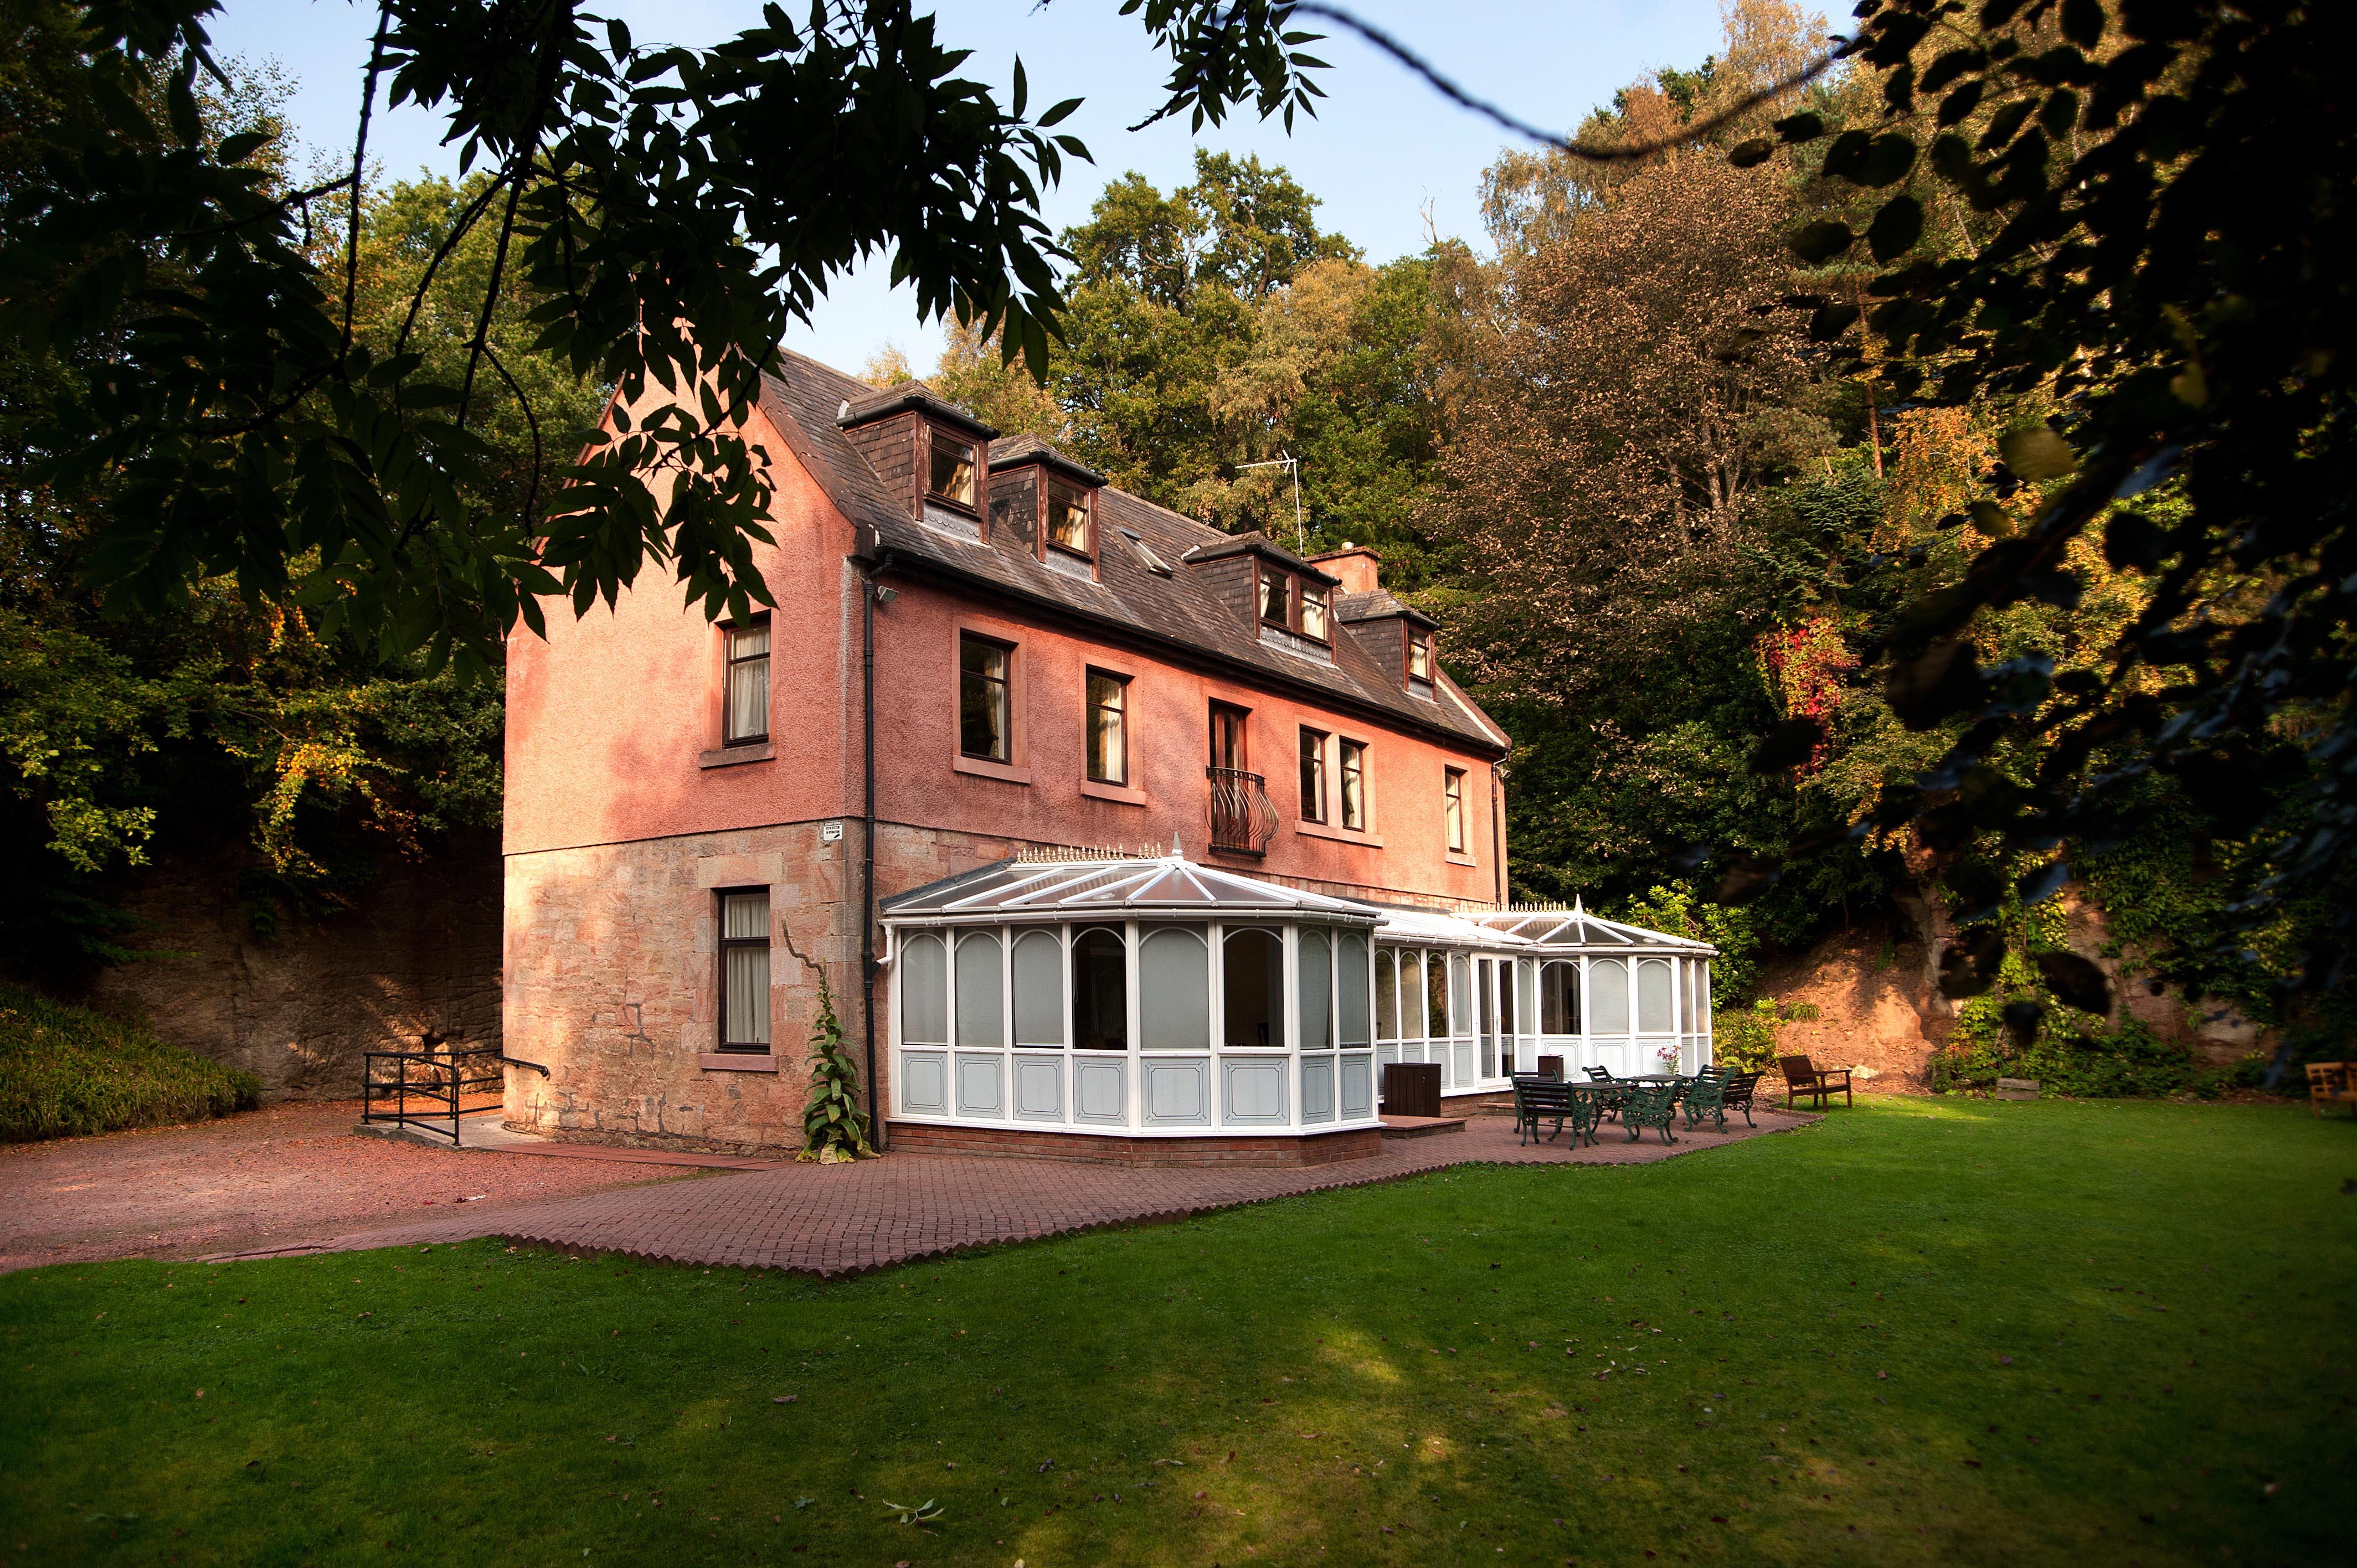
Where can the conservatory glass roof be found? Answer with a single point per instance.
(1048, 890)
(1172, 886)
(1576, 928)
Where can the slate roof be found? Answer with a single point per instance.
(1181, 610)
(1375, 607)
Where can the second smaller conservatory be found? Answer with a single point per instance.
(1164, 999)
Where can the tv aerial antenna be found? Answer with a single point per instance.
(1291, 465)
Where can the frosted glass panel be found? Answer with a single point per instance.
(1038, 989)
(924, 991)
(1350, 984)
(1607, 994)
(1387, 994)
(1653, 996)
(1436, 995)
(1316, 1012)
(1460, 994)
(1689, 973)
(1174, 990)
(980, 1022)
(748, 996)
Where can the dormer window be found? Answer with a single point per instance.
(1317, 612)
(950, 476)
(1419, 656)
(1293, 603)
(1276, 597)
(1068, 517)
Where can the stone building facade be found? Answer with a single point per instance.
(955, 616)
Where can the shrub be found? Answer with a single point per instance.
(2128, 1062)
(68, 1071)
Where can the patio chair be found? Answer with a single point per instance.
(1650, 1105)
(1803, 1076)
(2330, 1083)
(1705, 1094)
(1609, 1104)
(1735, 1094)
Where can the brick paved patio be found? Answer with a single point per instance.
(844, 1219)
(281, 1175)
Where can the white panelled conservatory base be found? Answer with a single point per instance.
(1161, 998)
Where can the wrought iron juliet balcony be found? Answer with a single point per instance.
(1243, 820)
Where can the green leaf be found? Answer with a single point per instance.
(2083, 22)
(1802, 127)
(1990, 521)
(1886, 160)
(1757, 151)
(1822, 241)
(2036, 454)
(1896, 228)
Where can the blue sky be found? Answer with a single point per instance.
(1386, 155)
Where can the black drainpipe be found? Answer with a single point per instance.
(1498, 830)
(867, 965)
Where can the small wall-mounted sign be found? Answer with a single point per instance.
(829, 833)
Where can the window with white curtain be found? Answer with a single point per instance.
(746, 719)
(1387, 994)
(744, 971)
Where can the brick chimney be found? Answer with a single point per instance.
(1355, 564)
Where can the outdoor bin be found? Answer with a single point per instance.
(1412, 1089)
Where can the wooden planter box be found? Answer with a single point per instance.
(1412, 1089)
(1551, 1067)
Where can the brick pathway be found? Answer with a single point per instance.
(283, 1174)
(844, 1220)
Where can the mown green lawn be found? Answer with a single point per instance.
(1922, 1332)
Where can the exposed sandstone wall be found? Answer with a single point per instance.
(418, 955)
(1878, 1012)
(612, 978)
(1880, 1009)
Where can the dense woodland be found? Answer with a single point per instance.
(1668, 498)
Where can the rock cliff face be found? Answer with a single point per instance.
(1878, 1011)
(1881, 1010)
(418, 957)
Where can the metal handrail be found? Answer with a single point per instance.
(1243, 820)
(445, 1083)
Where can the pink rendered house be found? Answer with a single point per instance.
(1113, 834)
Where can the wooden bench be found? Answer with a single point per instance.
(1540, 1098)
(1803, 1076)
(2330, 1083)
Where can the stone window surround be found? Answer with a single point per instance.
(1017, 769)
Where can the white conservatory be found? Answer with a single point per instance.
(1163, 999)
